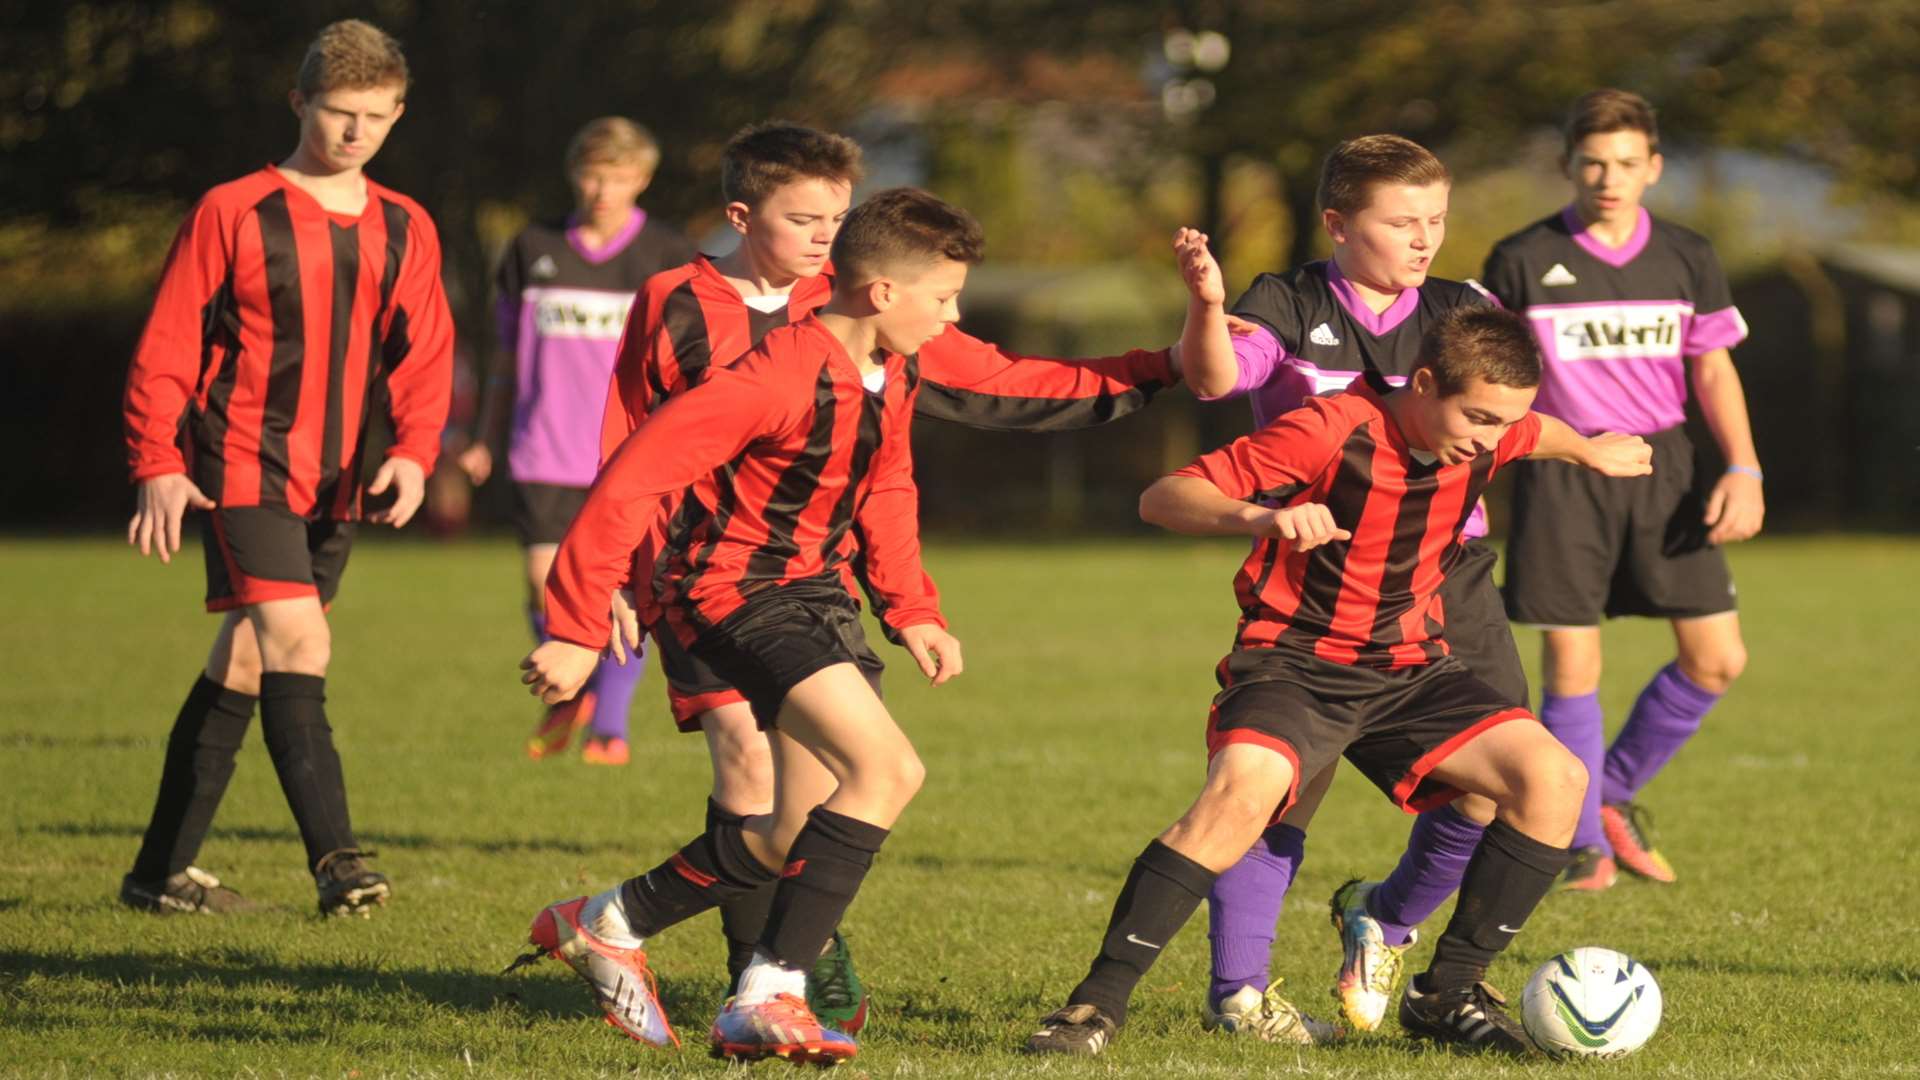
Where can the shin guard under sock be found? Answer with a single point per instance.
(200, 751)
(714, 869)
(1245, 904)
(1162, 891)
(825, 866)
(1508, 876)
(743, 917)
(293, 719)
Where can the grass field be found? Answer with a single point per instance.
(1791, 946)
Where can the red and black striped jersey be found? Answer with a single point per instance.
(1371, 600)
(277, 330)
(790, 468)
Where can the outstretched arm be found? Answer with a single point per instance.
(1736, 507)
(1610, 453)
(1195, 507)
(1207, 362)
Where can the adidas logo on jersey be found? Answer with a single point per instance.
(1559, 275)
(543, 268)
(1323, 335)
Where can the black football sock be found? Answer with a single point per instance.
(1506, 879)
(199, 762)
(742, 917)
(825, 866)
(713, 870)
(293, 718)
(1162, 891)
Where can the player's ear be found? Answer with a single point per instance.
(740, 217)
(1654, 164)
(1335, 225)
(881, 293)
(1423, 383)
(646, 181)
(297, 103)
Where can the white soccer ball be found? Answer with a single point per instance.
(1591, 1002)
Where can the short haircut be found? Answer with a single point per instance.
(613, 140)
(352, 55)
(763, 158)
(1348, 176)
(1600, 112)
(902, 225)
(1480, 342)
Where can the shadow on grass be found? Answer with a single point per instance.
(1899, 976)
(514, 846)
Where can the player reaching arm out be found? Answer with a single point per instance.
(1206, 345)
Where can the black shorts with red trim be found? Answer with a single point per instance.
(1394, 726)
(1587, 547)
(693, 688)
(1477, 630)
(260, 553)
(542, 512)
(784, 634)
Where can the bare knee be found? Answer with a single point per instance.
(1546, 792)
(234, 660)
(1715, 670)
(902, 776)
(301, 651)
(1571, 662)
(742, 770)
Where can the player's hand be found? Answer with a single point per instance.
(936, 651)
(1735, 509)
(476, 461)
(1198, 268)
(158, 505)
(623, 637)
(1614, 454)
(409, 483)
(1307, 525)
(557, 670)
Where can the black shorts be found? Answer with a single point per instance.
(260, 553)
(783, 635)
(542, 512)
(1477, 630)
(1394, 726)
(1587, 547)
(693, 688)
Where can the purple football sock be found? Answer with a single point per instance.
(1664, 717)
(1579, 725)
(537, 622)
(1438, 850)
(612, 686)
(1245, 904)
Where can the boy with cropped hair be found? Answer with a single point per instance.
(1356, 503)
(564, 291)
(295, 301)
(1630, 310)
(795, 463)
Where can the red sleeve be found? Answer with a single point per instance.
(888, 522)
(419, 345)
(968, 381)
(685, 439)
(637, 372)
(1279, 459)
(166, 365)
(1519, 441)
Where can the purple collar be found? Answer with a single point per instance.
(1616, 257)
(1381, 324)
(614, 245)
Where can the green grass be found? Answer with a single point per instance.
(1788, 949)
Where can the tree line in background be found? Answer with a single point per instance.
(115, 115)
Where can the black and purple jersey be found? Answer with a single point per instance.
(1616, 325)
(562, 306)
(1317, 335)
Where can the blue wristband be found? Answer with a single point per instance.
(1748, 470)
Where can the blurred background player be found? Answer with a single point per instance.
(565, 288)
(295, 300)
(1629, 310)
(1361, 313)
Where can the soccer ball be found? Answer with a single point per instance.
(1591, 1002)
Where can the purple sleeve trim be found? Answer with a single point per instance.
(1258, 354)
(1721, 329)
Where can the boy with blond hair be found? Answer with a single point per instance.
(564, 289)
(295, 302)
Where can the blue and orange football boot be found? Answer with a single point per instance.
(611, 961)
(782, 1028)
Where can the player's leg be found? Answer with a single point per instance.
(1242, 911)
(199, 762)
(742, 760)
(1473, 743)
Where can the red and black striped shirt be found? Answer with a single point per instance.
(1372, 600)
(790, 468)
(278, 328)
